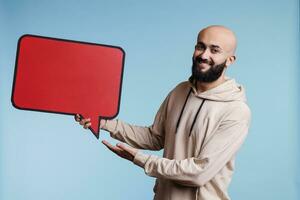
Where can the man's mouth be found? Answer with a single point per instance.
(201, 62)
(203, 66)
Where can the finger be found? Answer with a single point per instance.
(128, 149)
(84, 121)
(120, 152)
(124, 147)
(87, 125)
(111, 147)
(77, 117)
(107, 144)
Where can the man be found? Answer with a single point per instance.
(200, 125)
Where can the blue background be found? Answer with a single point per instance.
(48, 156)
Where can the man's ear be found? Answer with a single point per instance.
(230, 60)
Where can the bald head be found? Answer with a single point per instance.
(220, 36)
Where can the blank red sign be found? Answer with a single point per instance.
(68, 77)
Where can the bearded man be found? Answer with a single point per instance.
(200, 125)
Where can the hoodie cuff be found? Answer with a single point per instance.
(110, 125)
(140, 159)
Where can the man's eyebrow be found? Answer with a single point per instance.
(199, 42)
(212, 45)
(215, 46)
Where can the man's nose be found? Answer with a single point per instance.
(205, 54)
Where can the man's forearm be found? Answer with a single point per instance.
(135, 136)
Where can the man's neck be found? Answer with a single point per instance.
(202, 86)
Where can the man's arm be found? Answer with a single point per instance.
(151, 138)
(196, 171)
(216, 152)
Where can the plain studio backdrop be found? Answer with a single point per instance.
(48, 156)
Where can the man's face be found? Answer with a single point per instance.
(211, 74)
(210, 56)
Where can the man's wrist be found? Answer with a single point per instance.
(109, 125)
(140, 159)
(102, 123)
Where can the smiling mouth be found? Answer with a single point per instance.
(202, 62)
(203, 65)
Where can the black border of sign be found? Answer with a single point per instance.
(66, 40)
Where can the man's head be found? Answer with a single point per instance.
(214, 51)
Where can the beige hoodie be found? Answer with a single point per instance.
(200, 134)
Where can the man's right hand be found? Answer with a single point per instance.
(86, 122)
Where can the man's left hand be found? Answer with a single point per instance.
(122, 150)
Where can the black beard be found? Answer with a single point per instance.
(211, 75)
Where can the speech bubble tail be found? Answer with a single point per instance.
(95, 124)
(95, 127)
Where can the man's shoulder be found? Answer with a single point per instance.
(238, 110)
(182, 86)
(180, 90)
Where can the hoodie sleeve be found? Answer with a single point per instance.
(216, 152)
(151, 138)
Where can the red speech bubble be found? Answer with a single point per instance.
(68, 77)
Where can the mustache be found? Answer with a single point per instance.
(200, 60)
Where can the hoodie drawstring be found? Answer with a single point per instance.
(194, 121)
(177, 125)
(183, 107)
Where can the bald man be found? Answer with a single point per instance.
(200, 125)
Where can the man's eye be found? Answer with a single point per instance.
(215, 51)
(199, 47)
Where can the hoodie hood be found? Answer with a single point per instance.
(227, 91)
